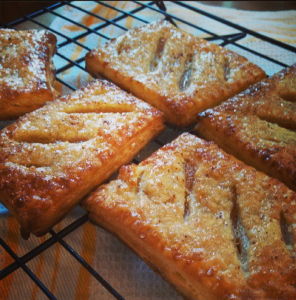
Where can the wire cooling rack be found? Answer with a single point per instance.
(232, 41)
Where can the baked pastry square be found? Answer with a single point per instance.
(258, 126)
(27, 73)
(52, 157)
(174, 71)
(212, 226)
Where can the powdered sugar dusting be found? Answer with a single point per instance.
(185, 72)
(22, 60)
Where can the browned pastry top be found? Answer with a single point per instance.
(50, 158)
(258, 126)
(26, 69)
(173, 70)
(214, 227)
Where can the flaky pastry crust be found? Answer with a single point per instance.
(258, 126)
(27, 73)
(212, 226)
(174, 71)
(52, 157)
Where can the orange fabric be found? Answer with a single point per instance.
(39, 270)
(87, 253)
(111, 11)
(128, 22)
(89, 20)
(56, 263)
(12, 241)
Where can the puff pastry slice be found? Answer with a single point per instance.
(212, 226)
(52, 157)
(258, 126)
(174, 71)
(27, 73)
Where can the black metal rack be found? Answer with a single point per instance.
(159, 8)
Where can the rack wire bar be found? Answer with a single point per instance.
(231, 38)
(94, 273)
(71, 87)
(27, 270)
(57, 33)
(236, 36)
(236, 26)
(123, 12)
(162, 7)
(159, 7)
(109, 22)
(179, 19)
(132, 12)
(42, 247)
(33, 15)
(215, 35)
(76, 23)
(72, 62)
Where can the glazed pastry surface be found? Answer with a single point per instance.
(52, 157)
(27, 73)
(258, 126)
(210, 225)
(174, 71)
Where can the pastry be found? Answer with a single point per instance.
(27, 73)
(174, 71)
(210, 225)
(258, 126)
(52, 157)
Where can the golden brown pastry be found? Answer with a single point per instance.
(52, 157)
(258, 126)
(210, 225)
(27, 72)
(174, 71)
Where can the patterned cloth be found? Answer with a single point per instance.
(129, 275)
